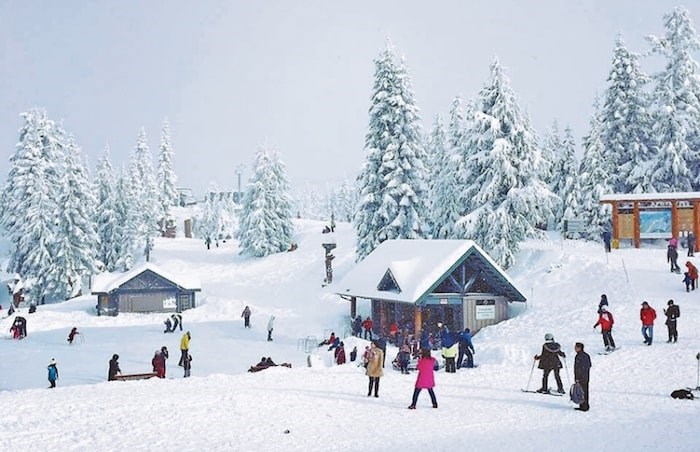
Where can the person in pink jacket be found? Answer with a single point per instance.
(426, 378)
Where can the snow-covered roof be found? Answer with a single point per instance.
(416, 265)
(686, 195)
(107, 282)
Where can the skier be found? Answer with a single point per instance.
(672, 313)
(647, 315)
(425, 379)
(693, 274)
(340, 354)
(158, 363)
(270, 327)
(606, 321)
(691, 244)
(603, 302)
(367, 325)
(184, 347)
(177, 320)
(246, 317)
(549, 361)
(582, 370)
(113, 368)
(53, 373)
(374, 368)
(672, 257)
(72, 334)
(466, 348)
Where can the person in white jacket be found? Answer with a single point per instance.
(270, 327)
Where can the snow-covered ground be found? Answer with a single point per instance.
(222, 407)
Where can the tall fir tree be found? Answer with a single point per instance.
(677, 106)
(443, 183)
(626, 122)
(265, 224)
(109, 227)
(392, 181)
(145, 191)
(167, 180)
(551, 146)
(596, 178)
(508, 200)
(74, 254)
(570, 187)
(129, 219)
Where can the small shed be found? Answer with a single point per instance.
(418, 283)
(144, 289)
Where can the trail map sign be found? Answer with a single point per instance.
(575, 225)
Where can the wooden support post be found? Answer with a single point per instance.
(418, 318)
(353, 307)
(696, 222)
(674, 219)
(635, 210)
(615, 222)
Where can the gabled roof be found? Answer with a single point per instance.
(107, 282)
(417, 267)
(672, 196)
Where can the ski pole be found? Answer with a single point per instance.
(568, 382)
(697, 388)
(527, 388)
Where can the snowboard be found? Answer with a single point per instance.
(550, 392)
(611, 351)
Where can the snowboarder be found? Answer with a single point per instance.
(425, 379)
(246, 317)
(71, 336)
(693, 274)
(340, 354)
(53, 373)
(691, 244)
(270, 327)
(187, 364)
(672, 257)
(374, 368)
(606, 321)
(607, 237)
(549, 361)
(158, 363)
(184, 347)
(177, 320)
(466, 348)
(647, 315)
(582, 370)
(367, 325)
(603, 302)
(113, 368)
(672, 313)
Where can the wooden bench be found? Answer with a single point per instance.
(129, 377)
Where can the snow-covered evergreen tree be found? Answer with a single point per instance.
(75, 250)
(569, 185)
(392, 181)
(507, 198)
(265, 224)
(30, 201)
(626, 121)
(551, 146)
(129, 218)
(677, 106)
(145, 191)
(595, 175)
(167, 180)
(109, 227)
(442, 182)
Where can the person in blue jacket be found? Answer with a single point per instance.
(449, 349)
(466, 348)
(424, 338)
(53, 373)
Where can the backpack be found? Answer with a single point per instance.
(576, 393)
(682, 394)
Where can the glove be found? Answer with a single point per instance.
(563, 355)
(535, 357)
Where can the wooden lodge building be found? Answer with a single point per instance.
(418, 283)
(640, 216)
(143, 289)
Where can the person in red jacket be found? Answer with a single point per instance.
(425, 379)
(606, 321)
(367, 325)
(647, 316)
(693, 274)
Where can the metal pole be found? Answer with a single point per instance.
(527, 387)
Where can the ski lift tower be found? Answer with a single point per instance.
(328, 246)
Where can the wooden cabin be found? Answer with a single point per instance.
(420, 283)
(144, 289)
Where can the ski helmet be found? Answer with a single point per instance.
(548, 337)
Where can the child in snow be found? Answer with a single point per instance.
(113, 368)
(72, 334)
(340, 354)
(425, 379)
(693, 274)
(187, 364)
(53, 373)
(403, 358)
(549, 361)
(687, 280)
(606, 321)
(603, 302)
(365, 356)
(168, 326)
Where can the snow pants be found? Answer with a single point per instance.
(608, 339)
(432, 397)
(672, 331)
(545, 379)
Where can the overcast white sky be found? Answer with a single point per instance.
(231, 75)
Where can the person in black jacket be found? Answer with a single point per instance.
(672, 313)
(549, 361)
(113, 368)
(582, 373)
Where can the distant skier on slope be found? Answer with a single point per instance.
(606, 321)
(549, 361)
(53, 373)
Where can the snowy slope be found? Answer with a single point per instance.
(325, 408)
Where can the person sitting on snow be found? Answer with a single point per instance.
(168, 326)
(334, 344)
(328, 341)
